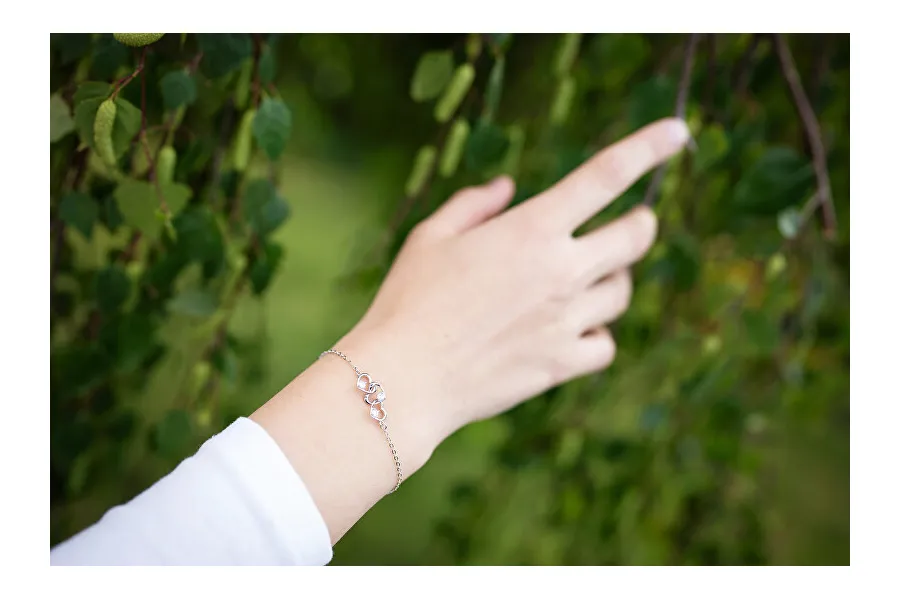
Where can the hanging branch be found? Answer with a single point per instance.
(813, 135)
(684, 86)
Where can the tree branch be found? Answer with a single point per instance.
(684, 86)
(813, 134)
(127, 79)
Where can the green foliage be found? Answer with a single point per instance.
(272, 127)
(669, 456)
(223, 52)
(138, 202)
(135, 312)
(179, 88)
(264, 210)
(61, 123)
(432, 74)
(80, 211)
(719, 435)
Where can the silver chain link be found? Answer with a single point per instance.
(369, 388)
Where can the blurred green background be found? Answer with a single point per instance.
(721, 434)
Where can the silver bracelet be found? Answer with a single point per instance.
(373, 396)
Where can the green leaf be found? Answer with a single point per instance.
(126, 126)
(176, 195)
(79, 210)
(263, 268)
(173, 433)
(108, 57)
(112, 287)
(128, 123)
(61, 122)
(178, 88)
(85, 111)
(138, 202)
(91, 89)
(272, 127)
(712, 147)
(780, 178)
(263, 208)
(194, 303)
(267, 66)
(789, 222)
(486, 147)
(223, 52)
(433, 72)
(199, 236)
(494, 89)
(111, 216)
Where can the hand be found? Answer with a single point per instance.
(485, 308)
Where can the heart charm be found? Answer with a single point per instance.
(377, 411)
(364, 383)
(379, 397)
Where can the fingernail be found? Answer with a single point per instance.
(679, 131)
(500, 182)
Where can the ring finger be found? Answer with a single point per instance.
(602, 303)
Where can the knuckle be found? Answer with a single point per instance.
(421, 232)
(616, 165)
(559, 369)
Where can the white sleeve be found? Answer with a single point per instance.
(237, 501)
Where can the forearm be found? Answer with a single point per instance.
(322, 425)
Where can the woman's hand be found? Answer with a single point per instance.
(481, 310)
(484, 308)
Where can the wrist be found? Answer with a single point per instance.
(412, 402)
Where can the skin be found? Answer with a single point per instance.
(482, 309)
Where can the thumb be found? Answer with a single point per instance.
(472, 206)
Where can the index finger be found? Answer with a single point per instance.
(596, 183)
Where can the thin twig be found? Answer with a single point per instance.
(130, 250)
(684, 86)
(813, 134)
(127, 79)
